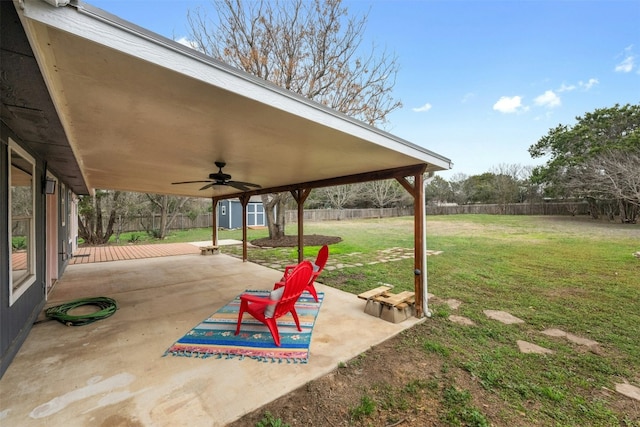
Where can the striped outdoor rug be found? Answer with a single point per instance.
(214, 337)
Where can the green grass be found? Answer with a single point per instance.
(573, 274)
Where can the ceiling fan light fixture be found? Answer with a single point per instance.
(221, 178)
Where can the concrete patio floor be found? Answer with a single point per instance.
(113, 373)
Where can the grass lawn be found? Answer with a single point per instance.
(573, 274)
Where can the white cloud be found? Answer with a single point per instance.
(508, 104)
(566, 88)
(628, 63)
(548, 99)
(424, 108)
(188, 43)
(589, 84)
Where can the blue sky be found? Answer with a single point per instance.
(480, 81)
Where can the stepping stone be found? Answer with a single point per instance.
(554, 333)
(629, 390)
(502, 316)
(573, 338)
(527, 347)
(581, 341)
(461, 320)
(453, 304)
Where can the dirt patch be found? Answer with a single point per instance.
(291, 241)
(408, 385)
(403, 386)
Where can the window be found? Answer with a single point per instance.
(22, 221)
(255, 214)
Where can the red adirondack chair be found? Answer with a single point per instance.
(318, 266)
(280, 302)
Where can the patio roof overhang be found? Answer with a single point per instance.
(138, 111)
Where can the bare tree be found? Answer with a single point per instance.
(311, 47)
(91, 210)
(168, 207)
(340, 196)
(384, 193)
(506, 183)
(612, 175)
(458, 188)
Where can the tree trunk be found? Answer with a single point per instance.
(274, 209)
(593, 208)
(112, 219)
(98, 205)
(162, 232)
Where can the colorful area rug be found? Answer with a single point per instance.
(214, 337)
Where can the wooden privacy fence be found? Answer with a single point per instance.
(316, 215)
(152, 222)
(495, 209)
(565, 208)
(183, 222)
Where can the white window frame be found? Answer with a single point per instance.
(255, 211)
(30, 278)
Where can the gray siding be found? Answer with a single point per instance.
(16, 320)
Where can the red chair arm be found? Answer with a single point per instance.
(288, 269)
(258, 300)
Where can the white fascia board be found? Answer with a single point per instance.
(85, 21)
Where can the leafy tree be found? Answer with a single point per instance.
(529, 190)
(311, 47)
(439, 190)
(480, 188)
(579, 153)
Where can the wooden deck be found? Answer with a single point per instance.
(93, 254)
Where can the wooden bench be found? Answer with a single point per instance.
(209, 250)
(387, 305)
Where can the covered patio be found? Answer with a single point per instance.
(113, 373)
(104, 104)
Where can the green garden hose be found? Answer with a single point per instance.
(107, 307)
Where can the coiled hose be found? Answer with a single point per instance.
(107, 307)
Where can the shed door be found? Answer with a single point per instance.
(255, 214)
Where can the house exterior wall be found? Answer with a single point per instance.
(16, 319)
(18, 316)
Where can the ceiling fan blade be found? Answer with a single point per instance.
(209, 185)
(187, 182)
(238, 185)
(246, 184)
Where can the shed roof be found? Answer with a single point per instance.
(140, 111)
